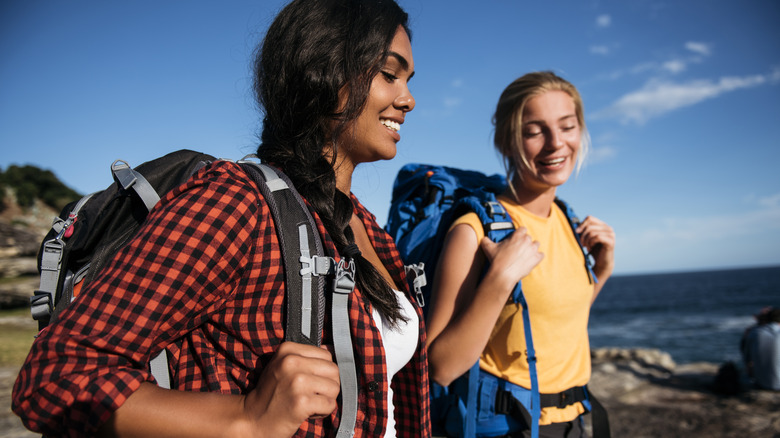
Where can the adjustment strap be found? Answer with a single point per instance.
(343, 286)
(159, 368)
(42, 301)
(564, 398)
(128, 178)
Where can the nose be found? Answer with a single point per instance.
(405, 101)
(555, 139)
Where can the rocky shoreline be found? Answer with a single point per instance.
(647, 395)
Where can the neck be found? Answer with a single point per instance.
(344, 172)
(343, 169)
(537, 202)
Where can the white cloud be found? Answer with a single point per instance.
(452, 102)
(603, 21)
(599, 50)
(601, 154)
(700, 48)
(675, 66)
(675, 243)
(660, 97)
(702, 229)
(772, 201)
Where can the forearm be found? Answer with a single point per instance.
(153, 411)
(461, 343)
(602, 275)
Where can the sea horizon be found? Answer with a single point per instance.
(695, 316)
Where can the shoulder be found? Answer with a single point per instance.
(219, 195)
(220, 182)
(361, 209)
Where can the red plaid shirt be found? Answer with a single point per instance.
(204, 277)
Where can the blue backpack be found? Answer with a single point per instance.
(426, 200)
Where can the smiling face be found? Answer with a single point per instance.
(375, 132)
(551, 139)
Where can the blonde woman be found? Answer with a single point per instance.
(540, 132)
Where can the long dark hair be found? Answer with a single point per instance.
(314, 52)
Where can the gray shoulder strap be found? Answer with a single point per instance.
(343, 286)
(128, 178)
(305, 284)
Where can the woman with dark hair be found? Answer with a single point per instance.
(332, 80)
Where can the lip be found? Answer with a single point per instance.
(553, 162)
(395, 134)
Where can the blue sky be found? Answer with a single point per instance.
(682, 101)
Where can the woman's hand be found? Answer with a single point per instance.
(599, 239)
(511, 259)
(299, 383)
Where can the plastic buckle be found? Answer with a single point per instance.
(316, 265)
(494, 208)
(344, 281)
(41, 305)
(420, 280)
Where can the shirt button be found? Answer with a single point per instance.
(372, 386)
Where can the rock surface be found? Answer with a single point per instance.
(19, 244)
(647, 395)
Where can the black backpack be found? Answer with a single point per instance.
(88, 232)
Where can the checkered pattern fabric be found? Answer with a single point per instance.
(204, 277)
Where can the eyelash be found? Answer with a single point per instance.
(389, 76)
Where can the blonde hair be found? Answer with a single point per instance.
(508, 118)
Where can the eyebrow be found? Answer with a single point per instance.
(401, 60)
(541, 122)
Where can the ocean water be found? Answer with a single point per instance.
(694, 316)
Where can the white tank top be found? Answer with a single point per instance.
(400, 344)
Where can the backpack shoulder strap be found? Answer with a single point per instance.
(305, 265)
(574, 223)
(299, 241)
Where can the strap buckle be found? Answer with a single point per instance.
(420, 280)
(344, 279)
(316, 265)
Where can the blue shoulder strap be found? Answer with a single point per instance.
(574, 222)
(498, 225)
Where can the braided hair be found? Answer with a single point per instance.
(313, 53)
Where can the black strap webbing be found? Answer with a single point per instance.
(506, 404)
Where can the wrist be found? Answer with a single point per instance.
(240, 424)
(498, 285)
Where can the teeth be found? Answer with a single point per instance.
(395, 126)
(555, 161)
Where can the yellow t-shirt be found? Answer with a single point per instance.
(558, 292)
